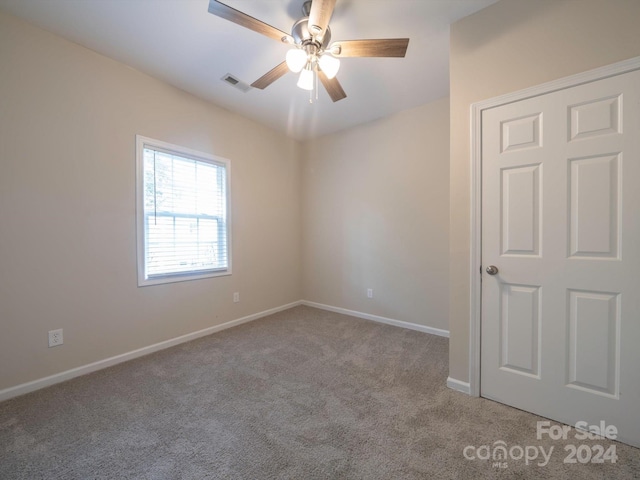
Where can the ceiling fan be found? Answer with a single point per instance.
(313, 56)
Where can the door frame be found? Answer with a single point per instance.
(475, 299)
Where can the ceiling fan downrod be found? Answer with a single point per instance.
(306, 8)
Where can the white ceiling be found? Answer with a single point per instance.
(179, 42)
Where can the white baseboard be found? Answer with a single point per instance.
(23, 388)
(376, 318)
(459, 386)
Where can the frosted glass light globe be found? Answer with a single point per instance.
(329, 65)
(296, 60)
(306, 79)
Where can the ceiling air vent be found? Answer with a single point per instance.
(234, 82)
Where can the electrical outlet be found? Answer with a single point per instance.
(236, 297)
(369, 292)
(55, 338)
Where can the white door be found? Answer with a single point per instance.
(561, 223)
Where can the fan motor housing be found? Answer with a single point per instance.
(302, 36)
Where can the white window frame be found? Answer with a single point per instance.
(145, 142)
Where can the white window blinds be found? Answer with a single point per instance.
(184, 214)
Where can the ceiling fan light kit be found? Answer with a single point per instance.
(329, 65)
(296, 60)
(313, 56)
(305, 81)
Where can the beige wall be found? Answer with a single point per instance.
(509, 46)
(68, 120)
(374, 198)
(374, 201)
(377, 216)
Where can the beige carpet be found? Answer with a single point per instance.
(304, 394)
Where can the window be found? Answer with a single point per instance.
(182, 213)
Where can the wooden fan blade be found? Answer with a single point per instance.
(383, 47)
(321, 11)
(333, 87)
(224, 11)
(271, 76)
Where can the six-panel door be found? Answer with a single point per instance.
(560, 220)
